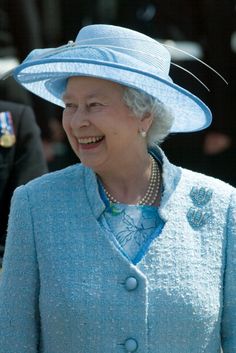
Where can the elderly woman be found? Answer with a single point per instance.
(124, 252)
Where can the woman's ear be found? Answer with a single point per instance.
(146, 121)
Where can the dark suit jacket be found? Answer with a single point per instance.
(21, 162)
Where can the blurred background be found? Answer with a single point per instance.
(204, 28)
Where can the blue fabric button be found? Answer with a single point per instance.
(131, 345)
(131, 283)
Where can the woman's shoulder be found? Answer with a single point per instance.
(56, 180)
(199, 177)
(51, 190)
(201, 182)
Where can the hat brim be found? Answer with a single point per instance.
(47, 78)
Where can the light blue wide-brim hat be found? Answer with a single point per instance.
(118, 54)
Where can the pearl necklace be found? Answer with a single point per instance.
(153, 188)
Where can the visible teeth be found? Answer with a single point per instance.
(86, 140)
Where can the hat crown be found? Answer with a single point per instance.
(135, 45)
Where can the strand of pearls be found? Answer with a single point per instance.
(153, 188)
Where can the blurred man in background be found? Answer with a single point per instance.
(21, 156)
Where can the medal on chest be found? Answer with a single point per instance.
(7, 134)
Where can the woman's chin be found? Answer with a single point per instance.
(93, 162)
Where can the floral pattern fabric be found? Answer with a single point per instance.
(133, 227)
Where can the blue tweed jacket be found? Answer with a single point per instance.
(67, 288)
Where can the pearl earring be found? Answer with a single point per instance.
(143, 133)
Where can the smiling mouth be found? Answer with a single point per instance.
(90, 140)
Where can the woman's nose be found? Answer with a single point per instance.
(79, 119)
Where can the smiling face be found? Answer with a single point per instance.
(100, 127)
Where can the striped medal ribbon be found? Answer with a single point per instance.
(7, 134)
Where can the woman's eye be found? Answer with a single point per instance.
(94, 104)
(70, 106)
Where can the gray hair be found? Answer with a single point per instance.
(140, 103)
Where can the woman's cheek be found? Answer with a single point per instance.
(66, 123)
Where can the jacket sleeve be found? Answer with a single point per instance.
(19, 283)
(229, 292)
